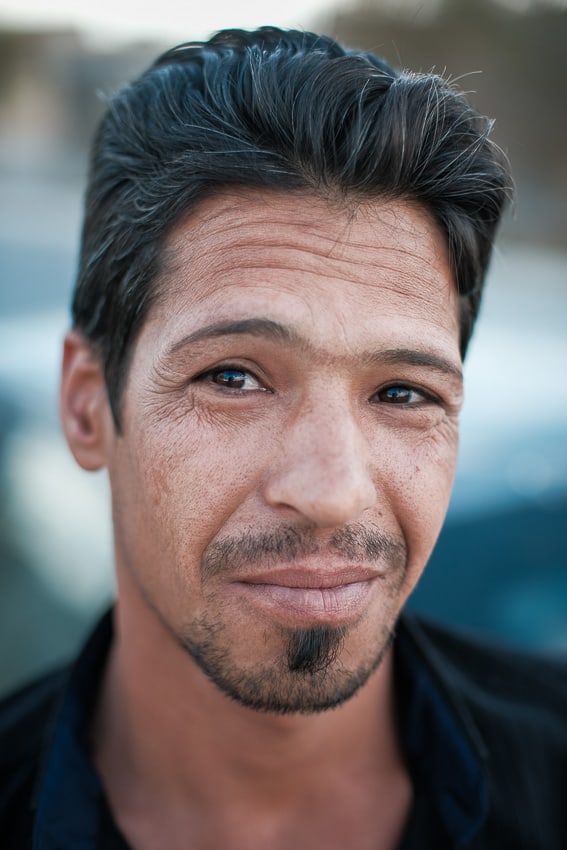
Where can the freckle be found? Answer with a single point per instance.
(417, 469)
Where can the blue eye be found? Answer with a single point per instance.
(231, 378)
(397, 395)
(400, 394)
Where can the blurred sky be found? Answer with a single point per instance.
(112, 20)
(123, 19)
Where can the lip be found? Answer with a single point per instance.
(311, 578)
(300, 597)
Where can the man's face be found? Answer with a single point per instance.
(289, 440)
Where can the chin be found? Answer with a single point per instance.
(308, 676)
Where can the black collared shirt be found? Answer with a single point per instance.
(444, 757)
(484, 731)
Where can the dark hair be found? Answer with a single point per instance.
(281, 110)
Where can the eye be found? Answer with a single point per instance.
(402, 395)
(232, 378)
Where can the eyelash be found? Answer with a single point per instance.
(426, 397)
(231, 367)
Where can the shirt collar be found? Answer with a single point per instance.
(444, 751)
(70, 790)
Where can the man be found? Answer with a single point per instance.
(283, 255)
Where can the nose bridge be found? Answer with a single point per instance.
(323, 471)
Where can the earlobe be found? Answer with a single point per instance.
(84, 408)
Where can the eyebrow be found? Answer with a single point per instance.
(416, 357)
(268, 329)
(251, 327)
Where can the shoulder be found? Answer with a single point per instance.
(26, 720)
(515, 705)
(492, 675)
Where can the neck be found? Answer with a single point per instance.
(164, 732)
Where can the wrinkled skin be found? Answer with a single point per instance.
(283, 482)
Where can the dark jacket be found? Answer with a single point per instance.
(512, 712)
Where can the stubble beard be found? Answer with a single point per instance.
(306, 678)
(308, 674)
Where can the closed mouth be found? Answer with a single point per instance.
(313, 578)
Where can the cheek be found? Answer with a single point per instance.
(188, 481)
(421, 479)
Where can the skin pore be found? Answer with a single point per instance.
(288, 445)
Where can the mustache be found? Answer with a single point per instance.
(356, 543)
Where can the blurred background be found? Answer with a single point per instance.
(500, 566)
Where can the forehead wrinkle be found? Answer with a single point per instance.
(190, 240)
(340, 269)
(210, 246)
(245, 214)
(235, 217)
(192, 253)
(182, 267)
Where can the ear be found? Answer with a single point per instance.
(84, 408)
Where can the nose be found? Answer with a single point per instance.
(323, 471)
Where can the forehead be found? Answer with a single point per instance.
(335, 269)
